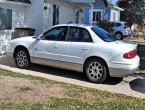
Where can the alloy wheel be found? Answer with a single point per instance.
(95, 71)
(21, 59)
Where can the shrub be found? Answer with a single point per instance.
(105, 25)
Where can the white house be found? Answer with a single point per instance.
(37, 14)
(42, 14)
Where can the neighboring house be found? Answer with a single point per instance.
(102, 10)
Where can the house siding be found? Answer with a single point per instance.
(18, 17)
(107, 13)
(34, 16)
(66, 12)
(18, 14)
(99, 4)
(86, 15)
(22, 16)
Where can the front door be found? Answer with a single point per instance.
(75, 48)
(47, 49)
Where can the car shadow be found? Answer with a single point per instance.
(113, 81)
(57, 71)
(70, 74)
(138, 85)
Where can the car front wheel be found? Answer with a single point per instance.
(96, 71)
(22, 59)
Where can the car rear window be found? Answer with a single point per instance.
(104, 35)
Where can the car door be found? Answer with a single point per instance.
(75, 48)
(47, 49)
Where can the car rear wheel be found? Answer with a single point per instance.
(119, 36)
(22, 59)
(96, 71)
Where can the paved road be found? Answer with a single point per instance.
(130, 86)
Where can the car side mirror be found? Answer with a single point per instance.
(41, 37)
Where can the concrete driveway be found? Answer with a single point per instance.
(130, 86)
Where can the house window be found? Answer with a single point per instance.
(76, 34)
(55, 14)
(5, 19)
(97, 15)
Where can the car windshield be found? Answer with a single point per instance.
(104, 35)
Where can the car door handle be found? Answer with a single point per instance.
(84, 49)
(36, 49)
(55, 46)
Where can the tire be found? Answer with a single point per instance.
(22, 59)
(119, 36)
(95, 71)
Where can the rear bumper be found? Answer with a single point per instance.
(123, 70)
(126, 32)
(119, 72)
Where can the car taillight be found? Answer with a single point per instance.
(130, 54)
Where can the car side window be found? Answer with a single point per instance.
(78, 35)
(57, 33)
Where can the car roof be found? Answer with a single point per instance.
(75, 25)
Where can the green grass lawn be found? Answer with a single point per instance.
(75, 97)
(141, 53)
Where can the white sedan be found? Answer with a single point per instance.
(76, 47)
